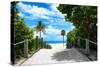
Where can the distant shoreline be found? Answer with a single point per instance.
(58, 46)
(55, 42)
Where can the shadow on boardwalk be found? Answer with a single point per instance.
(69, 55)
(49, 56)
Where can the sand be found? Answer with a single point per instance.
(58, 46)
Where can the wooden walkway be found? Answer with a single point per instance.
(56, 55)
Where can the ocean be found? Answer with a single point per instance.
(55, 42)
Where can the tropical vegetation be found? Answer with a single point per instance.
(40, 27)
(20, 32)
(84, 18)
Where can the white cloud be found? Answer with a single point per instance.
(40, 12)
(52, 30)
(24, 7)
(35, 12)
(21, 14)
(52, 34)
(55, 10)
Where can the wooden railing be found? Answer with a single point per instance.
(38, 42)
(87, 44)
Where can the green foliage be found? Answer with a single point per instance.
(69, 45)
(21, 31)
(40, 27)
(84, 18)
(82, 44)
(71, 36)
(47, 46)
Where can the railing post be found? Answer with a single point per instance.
(87, 46)
(34, 44)
(26, 48)
(78, 42)
(37, 42)
(42, 45)
(45, 43)
(13, 54)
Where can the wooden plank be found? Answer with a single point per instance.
(19, 42)
(26, 49)
(87, 46)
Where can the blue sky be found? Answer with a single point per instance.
(48, 14)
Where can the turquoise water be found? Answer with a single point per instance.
(55, 42)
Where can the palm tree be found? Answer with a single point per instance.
(40, 27)
(63, 34)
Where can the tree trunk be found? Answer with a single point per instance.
(40, 34)
(40, 41)
(63, 41)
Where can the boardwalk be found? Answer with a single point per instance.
(56, 55)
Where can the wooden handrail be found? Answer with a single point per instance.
(19, 42)
(92, 42)
(22, 42)
(87, 39)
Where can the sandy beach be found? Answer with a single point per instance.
(58, 54)
(58, 46)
